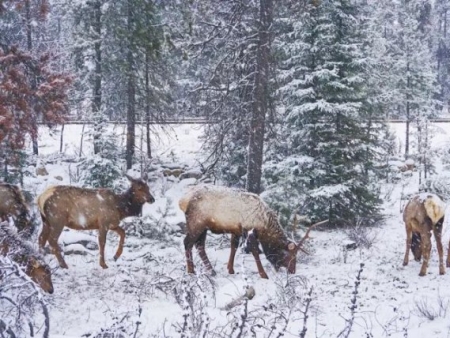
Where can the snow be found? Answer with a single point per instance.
(149, 273)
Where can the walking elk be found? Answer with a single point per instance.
(89, 209)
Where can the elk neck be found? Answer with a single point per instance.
(127, 204)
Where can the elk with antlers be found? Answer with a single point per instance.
(424, 213)
(89, 209)
(227, 210)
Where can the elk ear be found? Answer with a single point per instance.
(131, 179)
(34, 263)
(291, 246)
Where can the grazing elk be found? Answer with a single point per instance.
(226, 210)
(89, 209)
(424, 213)
(24, 254)
(12, 204)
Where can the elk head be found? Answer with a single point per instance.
(140, 191)
(40, 273)
(285, 253)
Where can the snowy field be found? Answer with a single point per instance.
(146, 284)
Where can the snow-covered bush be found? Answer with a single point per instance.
(153, 226)
(23, 309)
(99, 172)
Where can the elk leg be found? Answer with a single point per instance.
(200, 245)
(188, 244)
(121, 234)
(437, 231)
(101, 243)
(234, 246)
(252, 245)
(45, 232)
(56, 249)
(426, 250)
(408, 246)
(448, 256)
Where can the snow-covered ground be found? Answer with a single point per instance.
(150, 277)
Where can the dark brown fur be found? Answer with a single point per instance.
(89, 209)
(24, 254)
(12, 204)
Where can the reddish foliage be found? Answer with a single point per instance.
(42, 6)
(29, 91)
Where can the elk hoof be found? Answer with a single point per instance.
(231, 271)
(263, 275)
(405, 263)
(442, 271)
(63, 266)
(213, 273)
(448, 264)
(421, 274)
(104, 266)
(116, 258)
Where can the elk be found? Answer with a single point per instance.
(23, 253)
(227, 210)
(89, 209)
(12, 204)
(424, 213)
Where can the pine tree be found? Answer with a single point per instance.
(328, 145)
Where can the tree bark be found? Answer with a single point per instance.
(260, 102)
(34, 139)
(147, 103)
(131, 90)
(408, 113)
(97, 99)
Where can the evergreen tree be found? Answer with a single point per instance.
(329, 149)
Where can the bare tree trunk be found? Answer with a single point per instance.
(61, 140)
(81, 140)
(34, 139)
(419, 150)
(408, 113)
(260, 102)
(131, 116)
(97, 99)
(425, 157)
(147, 103)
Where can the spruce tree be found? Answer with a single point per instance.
(326, 109)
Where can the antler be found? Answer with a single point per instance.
(300, 243)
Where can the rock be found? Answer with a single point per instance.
(76, 249)
(59, 178)
(193, 173)
(41, 171)
(173, 172)
(410, 165)
(69, 238)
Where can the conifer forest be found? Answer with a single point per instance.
(238, 168)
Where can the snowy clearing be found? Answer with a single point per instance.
(150, 272)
